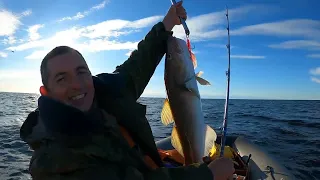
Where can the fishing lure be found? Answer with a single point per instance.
(187, 31)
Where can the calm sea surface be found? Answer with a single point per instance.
(289, 130)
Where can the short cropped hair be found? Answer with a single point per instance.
(59, 50)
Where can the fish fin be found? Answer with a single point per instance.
(190, 87)
(194, 60)
(202, 81)
(175, 141)
(166, 113)
(199, 74)
(211, 137)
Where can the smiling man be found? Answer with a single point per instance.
(91, 127)
(69, 79)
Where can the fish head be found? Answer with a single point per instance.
(178, 63)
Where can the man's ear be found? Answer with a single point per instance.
(43, 91)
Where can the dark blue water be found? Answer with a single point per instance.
(289, 130)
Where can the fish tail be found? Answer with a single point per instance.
(175, 141)
(210, 138)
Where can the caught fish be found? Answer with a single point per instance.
(190, 136)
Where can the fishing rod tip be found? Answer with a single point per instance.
(226, 10)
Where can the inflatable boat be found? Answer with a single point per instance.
(253, 163)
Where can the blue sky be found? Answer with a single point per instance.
(275, 45)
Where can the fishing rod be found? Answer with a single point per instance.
(183, 22)
(225, 118)
(186, 30)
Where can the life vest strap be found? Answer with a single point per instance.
(132, 144)
(170, 156)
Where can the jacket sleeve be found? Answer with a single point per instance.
(194, 172)
(111, 172)
(140, 66)
(52, 163)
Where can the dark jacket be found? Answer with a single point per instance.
(70, 144)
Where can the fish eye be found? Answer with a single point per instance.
(169, 56)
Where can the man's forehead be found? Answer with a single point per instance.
(66, 62)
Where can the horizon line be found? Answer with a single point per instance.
(204, 97)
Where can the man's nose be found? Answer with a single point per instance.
(76, 83)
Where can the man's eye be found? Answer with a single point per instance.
(83, 73)
(60, 79)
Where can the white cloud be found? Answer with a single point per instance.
(220, 46)
(141, 23)
(315, 71)
(3, 55)
(83, 14)
(212, 25)
(298, 44)
(99, 6)
(106, 45)
(10, 40)
(26, 13)
(66, 37)
(129, 53)
(316, 80)
(90, 38)
(117, 27)
(9, 23)
(247, 57)
(20, 80)
(33, 32)
(195, 52)
(89, 46)
(13, 74)
(79, 15)
(209, 26)
(288, 28)
(313, 55)
(153, 92)
(199, 27)
(37, 55)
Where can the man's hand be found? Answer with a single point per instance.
(172, 17)
(222, 168)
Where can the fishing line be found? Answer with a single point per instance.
(186, 29)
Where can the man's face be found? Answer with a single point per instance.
(70, 81)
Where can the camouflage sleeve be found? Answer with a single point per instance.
(116, 172)
(140, 66)
(195, 171)
(55, 162)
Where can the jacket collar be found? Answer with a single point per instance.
(129, 114)
(60, 120)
